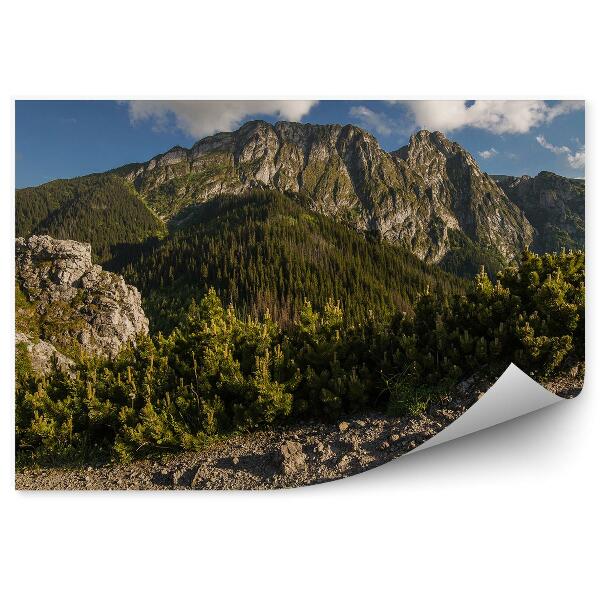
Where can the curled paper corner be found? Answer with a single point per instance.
(514, 394)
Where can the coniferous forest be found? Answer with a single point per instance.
(103, 210)
(265, 252)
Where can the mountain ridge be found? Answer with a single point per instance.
(554, 205)
(429, 197)
(412, 196)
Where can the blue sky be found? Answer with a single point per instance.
(61, 139)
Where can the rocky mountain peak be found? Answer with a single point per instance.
(465, 198)
(424, 136)
(424, 146)
(75, 303)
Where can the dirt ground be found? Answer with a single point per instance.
(282, 457)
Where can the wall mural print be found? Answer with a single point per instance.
(266, 294)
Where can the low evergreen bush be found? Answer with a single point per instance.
(217, 373)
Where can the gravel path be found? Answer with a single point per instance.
(279, 458)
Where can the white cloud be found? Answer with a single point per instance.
(374, 121)
(496, 116)
(541, 140)
(485, 154)
(575, 158)
(199, 118)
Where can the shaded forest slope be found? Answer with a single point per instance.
(103, 210)
(264, 251)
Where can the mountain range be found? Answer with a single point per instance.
(427, 196)
(333, 194)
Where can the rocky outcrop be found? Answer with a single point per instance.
(78, 305)
(42, 354)
(414, 196)
(554, 205)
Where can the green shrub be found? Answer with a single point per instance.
(216, 373)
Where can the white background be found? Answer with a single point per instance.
(508, 513)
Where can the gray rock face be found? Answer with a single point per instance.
(413, 196)
(42, 354)
(461, 197)
(78, 304)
